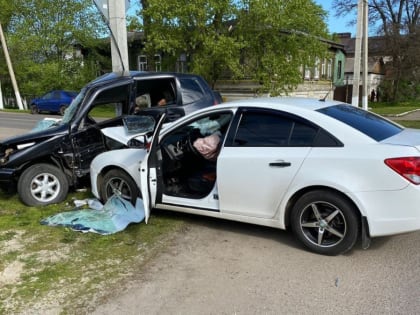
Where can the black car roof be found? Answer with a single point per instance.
(117, 76)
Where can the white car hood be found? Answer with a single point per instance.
(118, 134)
(121, 134)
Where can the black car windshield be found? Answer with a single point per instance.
(72, 109)
(366, 122)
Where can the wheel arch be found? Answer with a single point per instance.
(295, 197)
(45, 160)
(105, 170)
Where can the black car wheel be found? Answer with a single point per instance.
(34, 109)
(325, 222)
(119, 182)
(42, 184)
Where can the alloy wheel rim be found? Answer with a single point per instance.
(323, 224)
(118, 186)
(45, 187)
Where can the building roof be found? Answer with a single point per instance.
(376, 44)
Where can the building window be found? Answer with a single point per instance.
(339, 68)
(307, 74)
(142, 62)
(158, 63)
(181, 64)
(329, 70)
(323, 69)
(316, 69)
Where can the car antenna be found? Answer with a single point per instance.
(104, 18)
(326, 95)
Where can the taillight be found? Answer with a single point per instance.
(407, 167)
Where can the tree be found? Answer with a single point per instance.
(42, 35)
(280, 37)
(398, 21)
(267, 40)
(197, 30)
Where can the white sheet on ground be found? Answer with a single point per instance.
(116, 214)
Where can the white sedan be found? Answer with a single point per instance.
(329, 171)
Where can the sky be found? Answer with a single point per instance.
(336, 25)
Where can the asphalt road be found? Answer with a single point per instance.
(12, 124)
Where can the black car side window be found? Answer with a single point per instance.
(260, 129)
(191, 90)
(155, 92)
(268, 129)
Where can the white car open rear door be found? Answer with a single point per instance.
(148, 167)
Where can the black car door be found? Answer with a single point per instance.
(104, 110)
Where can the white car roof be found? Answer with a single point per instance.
(304, 107)
(283, 101)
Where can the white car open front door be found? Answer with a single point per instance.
(148, 178)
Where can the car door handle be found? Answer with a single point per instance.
(280, 164)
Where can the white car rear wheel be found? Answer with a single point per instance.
(325, 222)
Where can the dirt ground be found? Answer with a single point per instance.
(219, 267)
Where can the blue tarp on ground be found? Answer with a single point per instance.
(116, 214)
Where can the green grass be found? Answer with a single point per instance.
(57, 259)
(410, 123)
(393, 108)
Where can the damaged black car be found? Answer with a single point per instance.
(44, 164)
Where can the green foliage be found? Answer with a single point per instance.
(265, 40)
(196, 29)
(399, 90)
(281, 37)
(42, 38)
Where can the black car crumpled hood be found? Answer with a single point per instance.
(35, 136)
(17, 151)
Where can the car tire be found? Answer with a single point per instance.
(120, 181)
(34, 109)
(325, 222)
(62, 109)
(42, 184)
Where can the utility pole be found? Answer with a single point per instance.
(357, 53)
(119, 47)
(362, 18)
(11, 72)
(1, 98)
(365, 95)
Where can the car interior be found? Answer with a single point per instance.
(155, 92)
(189, 156)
